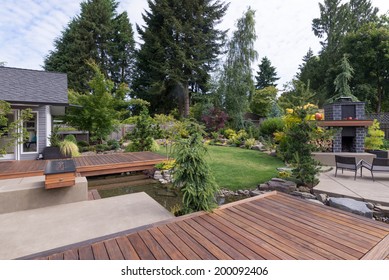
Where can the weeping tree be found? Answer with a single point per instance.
(237, 82)
(342, 81)
(192, 173)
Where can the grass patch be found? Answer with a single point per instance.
(236, 168)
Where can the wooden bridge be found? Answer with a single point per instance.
(272, 226)
(85, 165)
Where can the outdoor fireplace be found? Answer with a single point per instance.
(349, 118)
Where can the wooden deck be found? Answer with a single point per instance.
(85, 165)
(272, 227)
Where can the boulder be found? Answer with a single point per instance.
(256, 193)
(322, 197)
(280, 185)
(304, 195)
(351, 205)
(304, 189)
(370, 205)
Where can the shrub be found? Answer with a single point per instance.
(215, 119)
(228, 133)
(142, 135)
(82, 144)
(68, 148)
(102, 148)
(375, 137)
(113, 144)
(166, 165)
(71, 138)
(54, 137)
(249, 143)
(271, 125)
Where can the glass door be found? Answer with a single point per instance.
(7, 142)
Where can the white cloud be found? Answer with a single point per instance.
(28, 28)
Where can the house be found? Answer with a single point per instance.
(45, 93)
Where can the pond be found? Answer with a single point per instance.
(165, 195)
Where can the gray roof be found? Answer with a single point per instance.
(33, 86)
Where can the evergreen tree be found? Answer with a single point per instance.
(342, 81)
(237, 81)
(193, 175)
(267, 75)
(100, 34)
(180, 47)
(368, 50)
(336, 20)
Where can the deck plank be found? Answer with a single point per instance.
(71, 255)
(155, 248)
(380, 251)
(85, 165)
(142, 250)
(352, 240)
(350, 220)
(192, 243)
(128, 251)
(86, 253)
(180, 245)
(99, 251)
(319, 237)
(166, 245)
(113, 250)
(212, 248)
(268, 227)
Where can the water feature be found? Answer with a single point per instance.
(166, 195)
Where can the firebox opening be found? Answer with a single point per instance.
(348, 144)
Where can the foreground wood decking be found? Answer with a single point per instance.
(273, 226)
(85, 165)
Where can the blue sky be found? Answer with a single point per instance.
(28, 28)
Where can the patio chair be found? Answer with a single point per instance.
(378, 165)
(348, 163)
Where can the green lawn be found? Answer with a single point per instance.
(236, 168)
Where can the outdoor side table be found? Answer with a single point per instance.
(60, 173)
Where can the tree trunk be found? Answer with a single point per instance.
(186, 101)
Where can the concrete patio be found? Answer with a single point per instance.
(27, 232)
(362, 189)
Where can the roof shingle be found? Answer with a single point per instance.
(33, 86)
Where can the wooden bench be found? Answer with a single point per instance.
(348, 163)
(378, 165)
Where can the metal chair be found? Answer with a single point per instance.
(348, 163)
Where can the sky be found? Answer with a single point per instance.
(28, 29)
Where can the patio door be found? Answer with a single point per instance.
(7, 141)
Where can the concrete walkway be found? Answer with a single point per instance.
(363, 188)
(28, 232)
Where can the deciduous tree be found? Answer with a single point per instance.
(236, 82)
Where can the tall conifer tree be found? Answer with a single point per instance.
(181, 46)
(98, 33)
